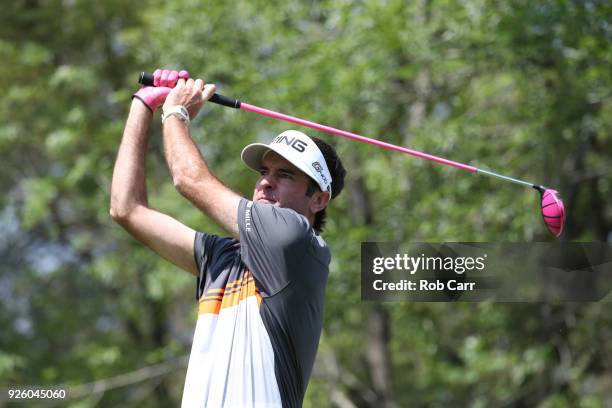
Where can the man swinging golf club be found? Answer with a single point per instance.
(260, 292)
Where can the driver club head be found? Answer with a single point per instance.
(553, 210)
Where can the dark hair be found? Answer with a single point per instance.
(337, 170)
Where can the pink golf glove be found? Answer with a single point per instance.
(164, 80)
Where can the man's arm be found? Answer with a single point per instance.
(129, 205)
(189, 170)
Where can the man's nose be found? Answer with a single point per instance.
(267, 182)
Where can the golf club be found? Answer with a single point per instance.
(551, 205)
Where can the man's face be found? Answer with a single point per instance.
(284, 185)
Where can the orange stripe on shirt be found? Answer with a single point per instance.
(234, 292)
(209, 307)
(215, 291)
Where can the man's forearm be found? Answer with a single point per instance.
(185, 162)
(190, 172)
(194, 180)
(129, 184)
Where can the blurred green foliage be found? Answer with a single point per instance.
(519, 87)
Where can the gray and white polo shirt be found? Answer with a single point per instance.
(260, 311)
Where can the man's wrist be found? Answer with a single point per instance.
(138, 106)
(178, 111)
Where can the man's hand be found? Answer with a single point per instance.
(190, 94)
(163, 81)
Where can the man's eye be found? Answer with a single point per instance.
(262, 172)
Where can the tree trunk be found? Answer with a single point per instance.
(377, 353)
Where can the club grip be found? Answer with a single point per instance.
(147, 79)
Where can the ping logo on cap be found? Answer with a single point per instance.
(294, 142)
(319, 169)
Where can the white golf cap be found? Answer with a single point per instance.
(299, 150)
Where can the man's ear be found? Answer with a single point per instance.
(319, 201)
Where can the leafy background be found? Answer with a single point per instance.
(519, 87)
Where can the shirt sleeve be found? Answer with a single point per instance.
(273, 241)
(204, 247)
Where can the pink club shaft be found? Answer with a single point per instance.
(148, 79)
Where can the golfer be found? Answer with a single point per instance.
(260, 292)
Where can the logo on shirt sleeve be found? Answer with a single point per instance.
(247, 217)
